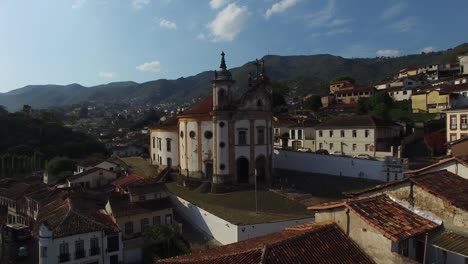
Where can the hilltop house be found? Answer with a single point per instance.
(92, 178)
(457, 123)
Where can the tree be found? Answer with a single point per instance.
(59, 165)
(169, 236)
(378, 105)
(344, 78)
(314, 102)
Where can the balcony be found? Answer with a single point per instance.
(79, 254)
(64, 257)
(94, 251)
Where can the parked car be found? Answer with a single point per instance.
(304, 150)
(363, 156)
(338, 153)
(322, 152)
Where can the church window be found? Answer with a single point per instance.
(192, 134)
(242, 137)
(259, 103)
(181, 134)
(208, 134)
(222, 166)
(168, 144)
(221, 96)
(221, 124)
(222, 144)
(261, 136)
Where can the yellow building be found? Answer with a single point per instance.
(431, 101)
(457, 123)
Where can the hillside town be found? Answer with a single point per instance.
(226, 179)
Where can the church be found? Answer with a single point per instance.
(226, 138)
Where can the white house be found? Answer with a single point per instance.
(400, 93)
(457, 123)
(88, 164)
(463, 60)
(165, 143)
(354, 135)
(93, 178)
(72, 229)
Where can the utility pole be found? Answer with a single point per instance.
(256, 201)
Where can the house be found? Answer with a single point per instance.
(307, 243)
(459, 148)
(457, 123)
(281, 126)
(127, 150)
(351, 96)
(88, 164)
(75, 228)
(133, 217)
(92, 178)
(165, 133)
(339, 85)
(354, 135)
(225, 138)
(12, 195)
(406, 72)
(455, 164)
(433, 100)
(121, 184)
(435, 72)
(381, 225)
(301, 135)
(439, 195)
(399, 93)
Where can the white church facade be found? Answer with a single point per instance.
(225, 139)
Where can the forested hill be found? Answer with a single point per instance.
(311, 73)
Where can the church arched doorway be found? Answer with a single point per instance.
(260, 167)
(209, 170)
(242, 165)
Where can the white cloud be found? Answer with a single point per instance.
(167, 24)
(108, 75)
(215, 4)
(428, 49)
(78, 4)
(139, 4)
(394, 10)
(404, 25)
(388, 53)
(228, 23)
(152, 66)
(280, 7)
(339, 22)
(326, 17)
(201, 36)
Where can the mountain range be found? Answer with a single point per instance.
(310, 73)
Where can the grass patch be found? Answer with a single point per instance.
(141, 167)
(239, 207)
(324, 186)
(408, 115)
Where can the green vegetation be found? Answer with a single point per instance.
(20, 164)
(314, 102)
(239, 207)
(31, 131)
(141, 167)
(344, 78)
(60, 165)
(279, 92)
(163, 241)
(378, 105)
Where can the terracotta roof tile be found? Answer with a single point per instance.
(123, 182)
(309, 243)
(203, 107)
(393, 220)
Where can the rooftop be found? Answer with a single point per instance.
(140, 166)
(365, 121)
(121, 205)
(127, 180)
(145, 187)
(86, 172)
(308, 243)
(391, 219)
(202, 108)
(239, 207)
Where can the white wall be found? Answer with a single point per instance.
(224, 231)
(173, 154)
(331, 165)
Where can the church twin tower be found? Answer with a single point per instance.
(226, 138)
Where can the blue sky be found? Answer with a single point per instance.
(99, 41)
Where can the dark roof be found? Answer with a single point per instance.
(451, 241)
(344, 121)
(15, 189)
(443, 184)
(308, 243)
(90, 162)
(121, 205)
(147, 186)
(72, 213)
(202, 108)
(355, 89)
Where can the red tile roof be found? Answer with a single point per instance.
(308, 243)
(443, 184)
(123, 182)
(391, 219)
(204, 107)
